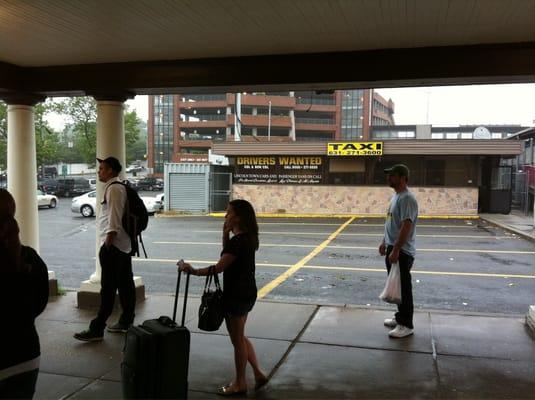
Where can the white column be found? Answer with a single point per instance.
(229, 130)
(255, 130)
(22, 171)
(292, 120)
(110, 143)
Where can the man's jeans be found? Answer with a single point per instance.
(406, 308)
(116, 275)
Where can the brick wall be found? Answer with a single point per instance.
(369, 200)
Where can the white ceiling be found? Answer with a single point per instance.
(62, 32)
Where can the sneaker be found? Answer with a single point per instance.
(391, 322)
(400, 331)
(118, 328)
(89, 336)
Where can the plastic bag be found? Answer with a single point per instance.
(392, 290)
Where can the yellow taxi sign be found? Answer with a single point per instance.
(355, 149)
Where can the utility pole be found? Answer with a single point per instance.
(269, 121)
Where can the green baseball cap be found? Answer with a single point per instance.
(398, 169)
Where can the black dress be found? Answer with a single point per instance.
(239, 284)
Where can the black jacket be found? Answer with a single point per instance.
(23, 296)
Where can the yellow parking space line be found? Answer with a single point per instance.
(441, 250)
(435, 236)
(363, 216)
(383, 270)
(292, 270)
(353, 269)
(358, 247)
(170, 260)
(219, 244)
(363, 225)
(426, 226)
(368, 234)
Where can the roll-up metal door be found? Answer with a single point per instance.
(188, 192)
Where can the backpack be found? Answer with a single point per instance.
(135, 218)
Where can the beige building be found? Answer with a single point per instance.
(449, 177)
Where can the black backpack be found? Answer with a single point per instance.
(135, 219)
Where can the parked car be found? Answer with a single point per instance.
(150, 184)
(46, 200)
(87, 204)
(160, 200)
(49, 186)
(68, 187)
(92, 183)
(134, 168)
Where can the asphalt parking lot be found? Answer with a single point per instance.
(461, 265)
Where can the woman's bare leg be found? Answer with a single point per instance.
(236, 328)
(251, 357)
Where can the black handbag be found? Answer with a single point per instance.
(211, 309)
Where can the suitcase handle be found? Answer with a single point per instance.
(185, 297)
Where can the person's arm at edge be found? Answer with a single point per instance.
(116, 201)
(225, 260)
(404, 231)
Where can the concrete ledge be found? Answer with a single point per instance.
(88, 297)
(530, 320)
(52, 284)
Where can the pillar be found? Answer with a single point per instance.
(110, 143)
(22, 165)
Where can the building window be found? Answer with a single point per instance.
(466, 135)
(452, 135)
(497, 135)
(437, 136)
(352, 114)
(163, 126)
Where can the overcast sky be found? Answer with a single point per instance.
(464, 105)
(439, 106)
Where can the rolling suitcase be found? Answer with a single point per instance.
(156, 357)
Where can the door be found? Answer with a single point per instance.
(188, 192)
(220, 189)
(500, 195)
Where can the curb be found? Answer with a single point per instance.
(275, 215)
(509, 228)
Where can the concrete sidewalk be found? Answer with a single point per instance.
(319, 352)
(519, 224)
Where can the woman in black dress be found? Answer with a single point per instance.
(239, 289)
(23, 296)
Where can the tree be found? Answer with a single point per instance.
(47, 140)
(82, 113)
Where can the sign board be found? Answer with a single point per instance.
(355, 149)
(289, 170)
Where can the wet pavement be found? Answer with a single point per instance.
(310, 352)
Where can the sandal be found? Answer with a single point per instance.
(227, 391)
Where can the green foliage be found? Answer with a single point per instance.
(46, 139)
(81, 114)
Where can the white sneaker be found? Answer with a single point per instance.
(391, 322)
(400, 331)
